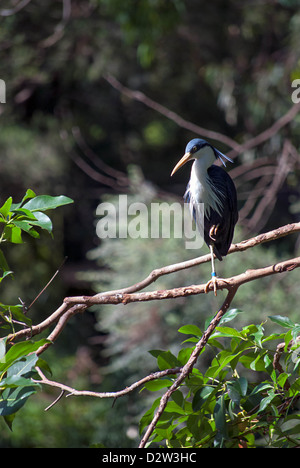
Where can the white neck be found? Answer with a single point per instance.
(205, 159)
(200, 186)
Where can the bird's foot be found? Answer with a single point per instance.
(214, 281)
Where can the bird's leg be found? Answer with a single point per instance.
(213, 272)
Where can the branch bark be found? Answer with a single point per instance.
(234, 281)
(73, 305)
(239, 247)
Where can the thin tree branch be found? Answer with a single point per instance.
(269, 132)
(56, 400)
(141, 97)
(267, 203)
(45, 287)
(73, 392)
(236, 147)
(9, 12)
(189, 365)
(60, 27)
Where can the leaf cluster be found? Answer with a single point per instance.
(241, 399)
(17, 361)
(16, 376)
(16, 219)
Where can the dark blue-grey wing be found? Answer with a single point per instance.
(226, 220)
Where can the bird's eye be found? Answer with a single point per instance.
(194, 149)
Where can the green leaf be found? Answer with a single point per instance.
(260, 388)
(2, 347)
(22, 213)
(273, 336)
(220, 416)
(158, 384)
(29, 194)
(195, 426)
(282, 378)
(295, 331)
(230, 315)
(253, 361)
(166, 360)
(3, 263)
(234, 394)
(25, 347)
(258, 363)
(190, 330)
(12, 234)
(17, 312)
(223, 359)
(27, 227)
(5, 209)
(173, 407)
(228, 331)
(155, 352)
(258, 335)
(5, 274)
(9, 420)
(184, 355)
(16, 381)
(237, 389)
(19, 350)
(42, 364)
(201, 396)
(46, 202)
(148, 416)
(266, 401)
(12, 399)
(281, 320)
(43, 221)
(177, 396)
(23, 366)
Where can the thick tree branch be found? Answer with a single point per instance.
(234, 281)
(239, 247)
(74, 305)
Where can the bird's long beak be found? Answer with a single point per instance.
(185, 158)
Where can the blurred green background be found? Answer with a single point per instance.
(226, 66)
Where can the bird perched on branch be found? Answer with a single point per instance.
(211, 195)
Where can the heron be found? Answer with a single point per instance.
(211, 195)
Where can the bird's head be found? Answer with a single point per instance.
(198, 148)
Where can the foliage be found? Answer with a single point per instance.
(18, 360)
(241, 399)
